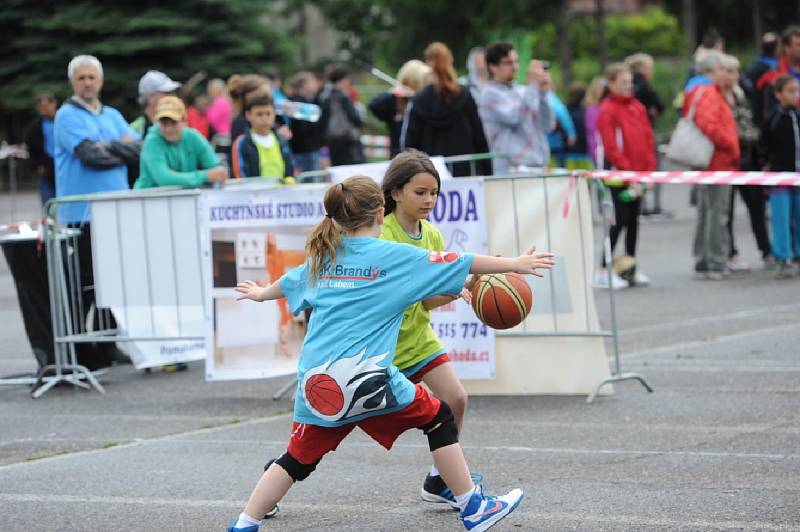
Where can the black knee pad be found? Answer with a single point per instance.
(297, 470)
(442, 430)
(269, 464)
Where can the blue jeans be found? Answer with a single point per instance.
(308, 161)
(784, 204)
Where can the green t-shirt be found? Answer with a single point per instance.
(184, 163)
(416, 340)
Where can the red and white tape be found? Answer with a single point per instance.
(699, 177)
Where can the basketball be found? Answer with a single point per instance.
(502, 301)
(324, 395)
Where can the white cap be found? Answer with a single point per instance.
(154, 81)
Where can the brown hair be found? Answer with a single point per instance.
(440, 58)
(782, 81)
(240, 86)
(256, 99)
(614, 70)
(403, 167)
(350, 205)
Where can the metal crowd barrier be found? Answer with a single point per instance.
(612, 333)
(75, 324)
(67, 293)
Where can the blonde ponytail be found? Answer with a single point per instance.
(349, 206)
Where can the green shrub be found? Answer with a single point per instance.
(652, 31)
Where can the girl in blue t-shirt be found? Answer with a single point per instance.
(358, 287)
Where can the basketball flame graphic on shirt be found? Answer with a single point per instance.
(364, 385)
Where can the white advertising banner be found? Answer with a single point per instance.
(556, 215)
(460, 215)
(147, 270)
(258, 235)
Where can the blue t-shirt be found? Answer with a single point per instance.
(49, 140)
(345, 371)
(73, 125)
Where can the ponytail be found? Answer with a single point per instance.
(440, 58)
(349, 206)
(321, 246)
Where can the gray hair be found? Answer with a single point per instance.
(729, 62)
(708, 62)
(84, 60)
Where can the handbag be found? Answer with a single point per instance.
(688, 145)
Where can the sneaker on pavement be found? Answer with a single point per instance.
(784, 269)
(601, 280)
(234, 528)
(435, 490)
(737, 266)
(484, 511)
(640, 279)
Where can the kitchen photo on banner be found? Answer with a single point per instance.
(255, 235)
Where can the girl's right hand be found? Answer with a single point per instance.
(250, 290)
(531, 261)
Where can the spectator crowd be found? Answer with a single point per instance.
(253, 125)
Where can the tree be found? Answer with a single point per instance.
(221, 37)
(389, 32)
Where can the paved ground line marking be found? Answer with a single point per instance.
(748, 313)
(704, 343)
(144, 441)
(298, 507)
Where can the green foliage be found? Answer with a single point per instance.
(652, 31)
(387, 33)
(221, 37)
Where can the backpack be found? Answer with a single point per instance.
(339, 128)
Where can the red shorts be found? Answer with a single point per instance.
(444, 358)
(309, 443)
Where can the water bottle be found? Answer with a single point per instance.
(298, 110)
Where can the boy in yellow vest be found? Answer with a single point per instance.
(260, 151)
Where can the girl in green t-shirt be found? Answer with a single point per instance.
(410, 188)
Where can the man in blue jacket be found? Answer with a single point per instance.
(93, 143)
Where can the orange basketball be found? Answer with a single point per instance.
(502, 301)
(324, 395)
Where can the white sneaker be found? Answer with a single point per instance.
(601, 280)
(641, 279)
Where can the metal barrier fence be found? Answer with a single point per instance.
(77, 321)
(612, 333)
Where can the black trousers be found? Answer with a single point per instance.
(95, 355)
(626, 217)
(755, 200)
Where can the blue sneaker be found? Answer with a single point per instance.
(435, 490)
(485, 511)
(234, 528)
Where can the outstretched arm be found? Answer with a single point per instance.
(250, 290)
(525, 264)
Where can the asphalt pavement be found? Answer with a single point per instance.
(715, 447)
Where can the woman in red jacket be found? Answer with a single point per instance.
(628, 144)
(715, 119)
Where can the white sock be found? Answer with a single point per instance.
(434, 471)
(245, 521)
(463, 500)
